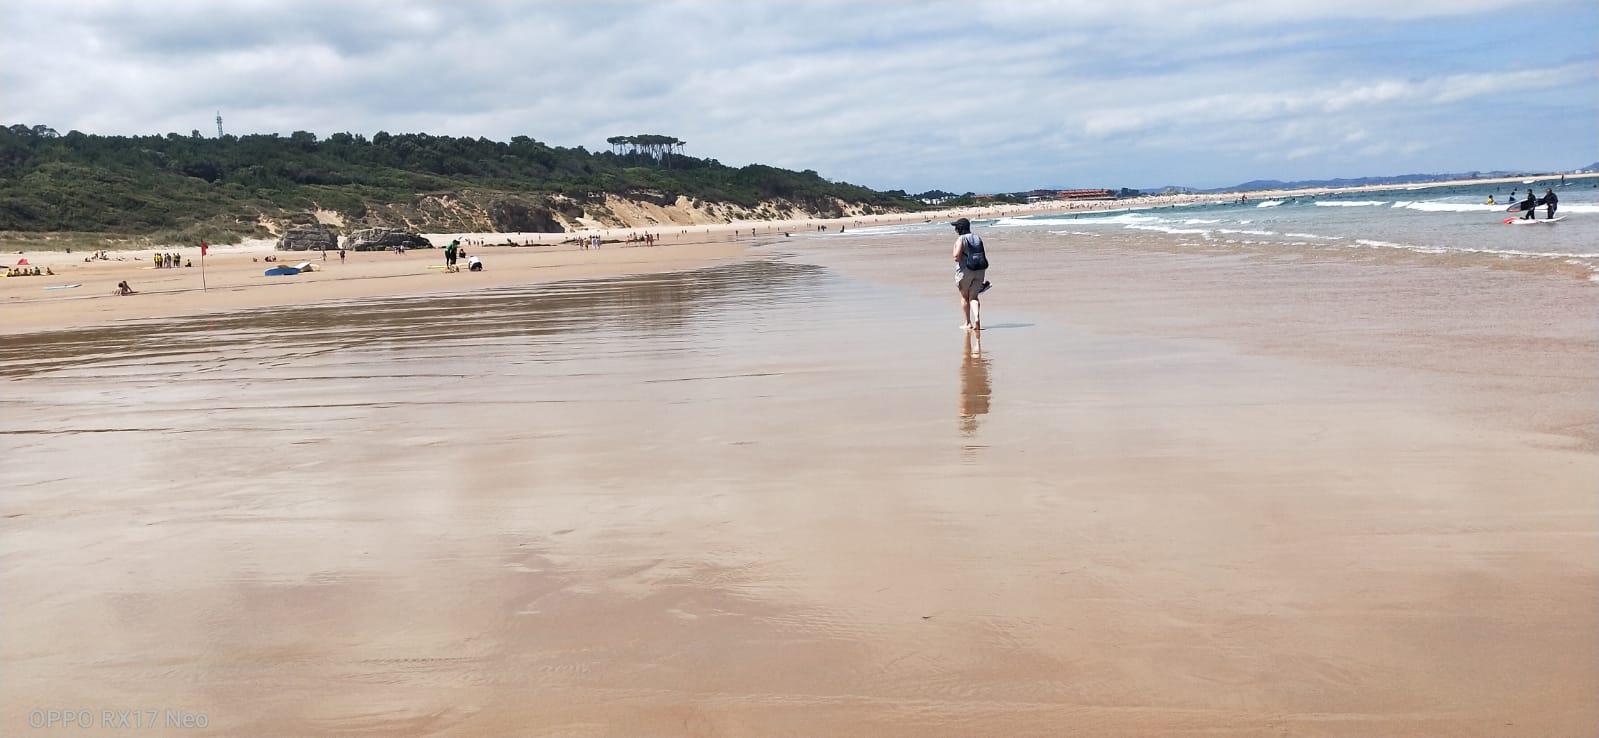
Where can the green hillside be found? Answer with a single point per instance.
(182, 188)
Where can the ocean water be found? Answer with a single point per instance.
(1421, 219)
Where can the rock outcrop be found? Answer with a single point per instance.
(308, 238)
(383, 239)
(514, 217)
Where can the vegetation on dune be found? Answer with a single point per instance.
(190, 187)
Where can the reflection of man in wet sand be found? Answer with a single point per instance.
(975, 387)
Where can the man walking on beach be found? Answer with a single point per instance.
(971, 265)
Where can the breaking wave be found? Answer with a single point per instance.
(1433, 206)
(1169, 229)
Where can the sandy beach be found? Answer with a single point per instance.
(767, 487)
(234, 279)
(233, 274)
(799, 370)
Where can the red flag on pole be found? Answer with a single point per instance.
(203, 247)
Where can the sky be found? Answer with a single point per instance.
(963, 96)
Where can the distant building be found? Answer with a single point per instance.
(1085, 194)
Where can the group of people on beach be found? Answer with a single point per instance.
(170, 261)
(25, 270)
(454, 253)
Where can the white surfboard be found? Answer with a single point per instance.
(1531, 221)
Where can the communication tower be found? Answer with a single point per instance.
(219, 124)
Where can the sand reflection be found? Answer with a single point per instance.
(976, 389)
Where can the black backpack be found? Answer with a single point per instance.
(972, 257)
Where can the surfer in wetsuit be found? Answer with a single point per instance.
(1550, 200)
(1529, 206)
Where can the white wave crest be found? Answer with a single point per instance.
(1313, 236)
(1351, 203)
(885, 230)
(1168, 229)
(1057, 221)
(1122, 219)
(1501, 253)
(1435, 206)
(1270, 204)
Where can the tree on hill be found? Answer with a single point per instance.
(657, 147)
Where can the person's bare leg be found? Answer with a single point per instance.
(976, 312)
(966, 312)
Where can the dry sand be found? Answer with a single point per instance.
(1167, 493)
(234, 279)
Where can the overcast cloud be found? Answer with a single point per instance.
(965, 96)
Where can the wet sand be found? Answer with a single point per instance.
(1165, 494)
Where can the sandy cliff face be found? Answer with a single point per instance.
(488, 212)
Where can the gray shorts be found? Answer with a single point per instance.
(968, 283)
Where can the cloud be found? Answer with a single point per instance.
(1342, 97)
(958, 95)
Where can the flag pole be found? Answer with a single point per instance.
(203, 249)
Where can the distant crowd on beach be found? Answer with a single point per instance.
(165, 260)
(26, 270)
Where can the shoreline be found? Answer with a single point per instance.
(232, 275)
(686, 232)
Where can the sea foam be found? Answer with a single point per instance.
(1434, 206)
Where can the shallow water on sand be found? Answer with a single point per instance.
(765, 498)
